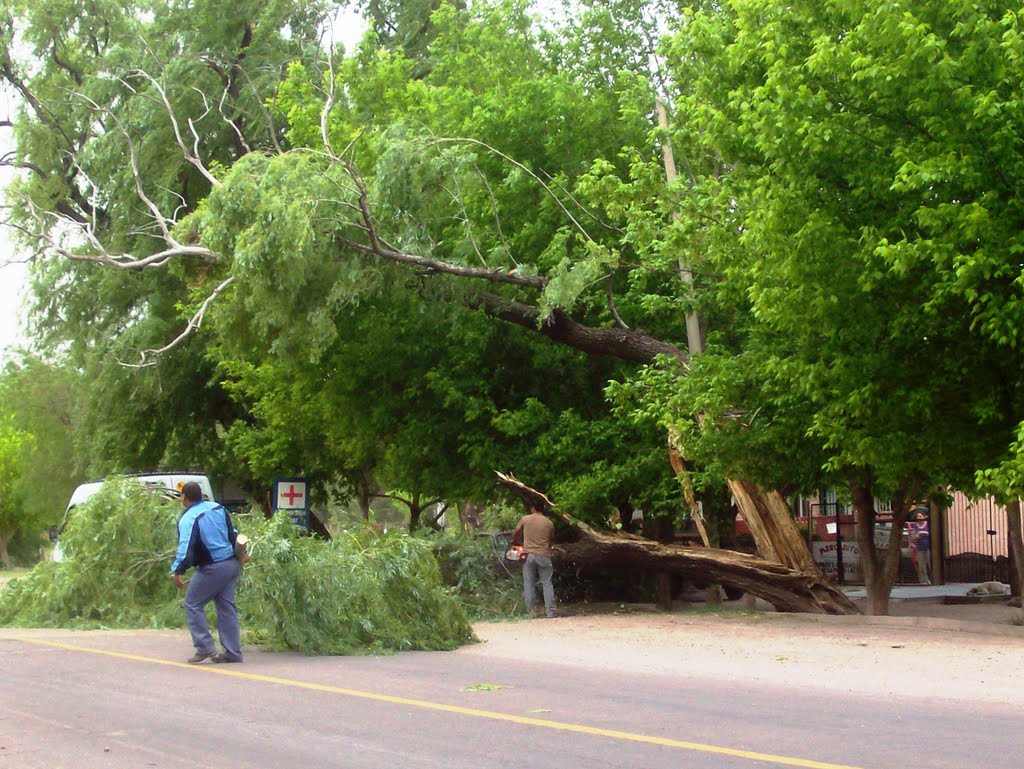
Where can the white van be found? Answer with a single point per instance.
(168, 483)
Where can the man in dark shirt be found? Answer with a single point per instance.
(537, 531)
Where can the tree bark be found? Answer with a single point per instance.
(880, 571)
(415, 512)
(626, 344)
(5, 557)
(364, 493)
(775, 532)
(675, 458)
(1016, 548)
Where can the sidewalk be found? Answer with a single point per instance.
(924, 606)
(905, 592)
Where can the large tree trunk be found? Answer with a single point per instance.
(775, 532)
(415, 512)
(766, 514)
(880, 571)
(1016, 542)
(364, 494)
(786, 589)
(5, 557)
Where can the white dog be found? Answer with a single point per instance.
(989, 588)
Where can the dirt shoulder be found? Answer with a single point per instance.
(930, 651)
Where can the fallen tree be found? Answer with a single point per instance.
(583, 548)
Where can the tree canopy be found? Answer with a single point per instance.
(203, 154)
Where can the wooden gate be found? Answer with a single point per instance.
(975, 536)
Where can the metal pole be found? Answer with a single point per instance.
(839, 548)
(810, 524)
(991, 532)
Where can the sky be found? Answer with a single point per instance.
(13, 269)
(13, 287)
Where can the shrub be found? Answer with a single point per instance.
(471, 564)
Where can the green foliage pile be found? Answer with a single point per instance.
(118, 547)
(361, 592)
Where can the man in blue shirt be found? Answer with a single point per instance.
(205, 541)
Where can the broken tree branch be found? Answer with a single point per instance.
(148, 357)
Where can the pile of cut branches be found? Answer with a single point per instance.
(361, 592)
(118, 547)
(471, 564)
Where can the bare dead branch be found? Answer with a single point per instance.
(429, 265)
(190, 154)
(325, 113)
(148, 356)
(239, 138)
(509, 159)
(56, 235)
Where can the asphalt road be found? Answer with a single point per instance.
(125, 701)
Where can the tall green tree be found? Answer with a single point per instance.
(862, 219)
(474, 200)
(504, 179)
(41, 401)
(14, 518)
(116, 98)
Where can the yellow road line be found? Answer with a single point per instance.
(563, 726)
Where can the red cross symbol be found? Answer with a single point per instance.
(291, 495)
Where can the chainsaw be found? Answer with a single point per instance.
(515, 553)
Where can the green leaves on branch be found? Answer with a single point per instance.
(863, 212)
(118, 546)
(361, 592)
